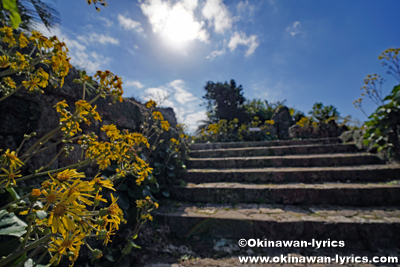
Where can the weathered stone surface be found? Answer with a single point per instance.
(23, 113)
(285, 161)
(203, 146)
(274, 151)
(362, 173)
(323, 130)
(278, 222)
(282, 121)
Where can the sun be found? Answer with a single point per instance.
(180, 26)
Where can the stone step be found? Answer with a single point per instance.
(367, 173)
(359, 227)
(203, 146)
(274, 151)
(346, 194)
(284, 161)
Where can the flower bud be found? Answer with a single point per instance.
(30, 218)
(96, 253)
(103, 212)
(102, 234)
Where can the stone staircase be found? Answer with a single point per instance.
(286, 190)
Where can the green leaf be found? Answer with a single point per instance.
(159, 165)
(123, 187)
(11, 6)
(41, 214)
(147, 192)
(170, 167)
(155, 188)
(171, 174)
(165, 193)
(11, 224)
(109, 257)
(134, 245)
(162, 154)
(152, 179)
(124, 262)
(123, 200)
(131, 193)
(156, 171)
(14, 194)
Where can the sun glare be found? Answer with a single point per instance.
(180, 26)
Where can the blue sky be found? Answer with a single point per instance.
(304, 51)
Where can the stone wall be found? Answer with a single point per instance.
(23, 113)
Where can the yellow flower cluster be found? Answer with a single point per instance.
(150, 104)
(224, 131)
(68, 198)
(112, 84)
(50, 50)
(145, 206)
(390, 54)
(83, 113)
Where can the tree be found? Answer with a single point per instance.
(321, 113)
(30, 12)
(224, 101)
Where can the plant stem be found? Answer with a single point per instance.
(40, 259)
(28, 231)
(17, 254)
(15, 201)
(79, 164)
(33, 253)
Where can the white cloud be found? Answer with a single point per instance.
(98, 38)
(245, 8)
(175, 21)
(193, 120)
(134, 83)
(107, 22)
(217, 13)
(215, 54)
(129, 24)
(176, 95)
(181, 95)
(241, 39)
(295, 29)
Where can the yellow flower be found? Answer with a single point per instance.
(11, 158)
(8, 36)
(174, 141)
(68, 175)
(51, 195)
(35, 192)
(115, 211)
(61, 105)
(32, 84)
(99, 182)
(10, 175)
(4, 61)
(103, 163)
(59, 246)
(82, 105)
(23, 42)
(150, 104)
(165, 125)
(61, 214)
(157, 115)
(9, 82)
(44, 77)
